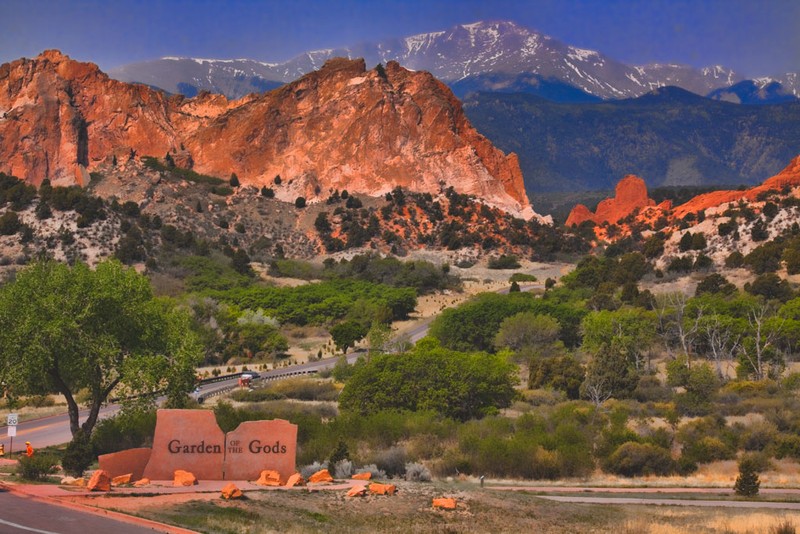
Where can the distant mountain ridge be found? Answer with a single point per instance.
(502, 49)
(669, 137)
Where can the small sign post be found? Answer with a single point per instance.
(12, 421)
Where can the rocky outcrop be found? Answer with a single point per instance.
(341, 127)
(787, 178)
(630, 195)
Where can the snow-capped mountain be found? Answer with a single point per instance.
(463, 51)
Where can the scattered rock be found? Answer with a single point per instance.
(141, 482)
(269, 478)
(100, 481)
(183, 478)
(122, 479)
(362, 476)
(382, 489)
(321, 476)
(72, 481)
(230, 491)
(357, 491)
(295, 480)
(444, 503)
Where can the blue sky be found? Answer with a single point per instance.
(754, 37)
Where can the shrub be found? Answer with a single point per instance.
(343, 469)
(373, 470)
(300, 202)
(392, 461)
(747, 483)
(504, 262)
(417, 473)
(78, 455)
(37, 467)
(636, 459)
(9, 223)
(522, 277)
(126, 430)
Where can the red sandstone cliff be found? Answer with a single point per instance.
(630, 195)
(788, 177)
(342, 127)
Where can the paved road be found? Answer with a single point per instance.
(676, 502)
(22, 515)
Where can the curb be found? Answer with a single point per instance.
(125, 518)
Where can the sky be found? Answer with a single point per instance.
(754, 37)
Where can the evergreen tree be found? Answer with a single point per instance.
(234, 180)
(747, 483)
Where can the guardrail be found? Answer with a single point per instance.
(226, 389)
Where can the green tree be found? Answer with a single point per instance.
(747, 483)
(234, 181)
(432, 378)
(609, 374)
(300, 202)
(686, 242)
(347, 333)
(528, 330)
(64, 329)
(627, 331)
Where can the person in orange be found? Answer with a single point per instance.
(28, 449)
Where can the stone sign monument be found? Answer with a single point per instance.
(192, 441)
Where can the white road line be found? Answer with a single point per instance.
(23, 527)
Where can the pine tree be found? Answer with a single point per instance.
(747, 483)
(234, 180)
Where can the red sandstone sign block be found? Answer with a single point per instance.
(187, 440)
(131, 461)
(256, 446)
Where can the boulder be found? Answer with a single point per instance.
(121, 479)
(295, 480)
(141, 482)
(100, 481)
(357, 491)
(362, 476)
(382, 489)
(72, 481)
(321, 476)
(183, 478)
(230, 491)
(444, 503)
(269, 478)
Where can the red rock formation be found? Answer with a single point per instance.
(788, 177)
(630, 195)
(340, 127)
(231, 491)
(100, 481)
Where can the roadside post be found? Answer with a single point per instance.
(12, 421)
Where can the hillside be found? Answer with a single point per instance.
(669, 137)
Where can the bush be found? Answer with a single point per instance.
(504, 262)
(78, 455)
(127, 430)
(747, 483)
(343, 469)
(633, 459)
(38, 466)
(372, 469)
(522, 277)
(392, 461)
(417, 473)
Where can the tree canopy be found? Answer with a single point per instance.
(430, 377)
(65, 329)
